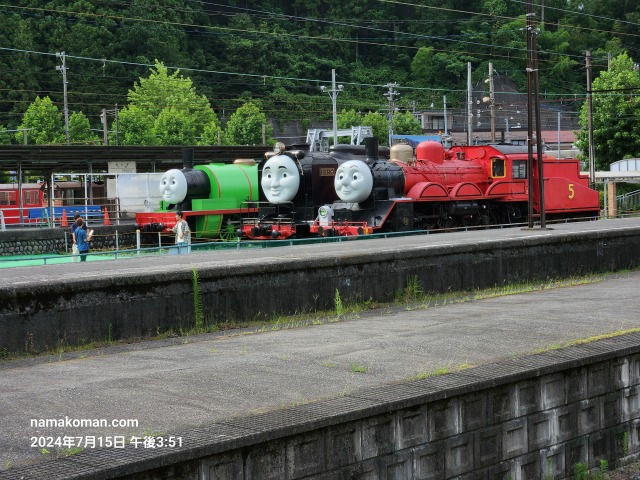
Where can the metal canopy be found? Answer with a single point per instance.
(59, 158)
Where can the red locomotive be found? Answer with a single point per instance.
(16, 210)
(439, 188)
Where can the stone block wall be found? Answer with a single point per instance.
(528, 418)
(58, 240)
(537, 427)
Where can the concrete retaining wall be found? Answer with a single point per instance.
(529, 418)
(132, 304)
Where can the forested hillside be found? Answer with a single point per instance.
(279, 52)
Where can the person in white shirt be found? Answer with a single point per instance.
(183, 234)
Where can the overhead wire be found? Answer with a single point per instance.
(314, 38)
(273, 77)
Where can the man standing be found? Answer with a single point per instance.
(183, 234)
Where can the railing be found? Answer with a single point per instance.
(629, 201)
(104, 212)
(163, 244)
(58, 214)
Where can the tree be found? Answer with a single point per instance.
(380, 126)
(5, 136)
(212, 134)
(348, 119)
(245, 127)
(164, 110)
(135, 127)
(43, 123)
(616, 114)
(174, 127)
(406, 123)
(431, 69)
(80, 130)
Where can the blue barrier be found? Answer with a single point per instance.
(90, 211)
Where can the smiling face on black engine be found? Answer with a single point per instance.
(280, 179)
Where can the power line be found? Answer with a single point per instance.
(306, 19)
(258, 76)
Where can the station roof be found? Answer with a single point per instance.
(75, 158)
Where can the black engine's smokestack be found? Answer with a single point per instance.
(371, 149)
(187, 158)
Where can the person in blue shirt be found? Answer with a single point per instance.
(82, 239)
(74, 247)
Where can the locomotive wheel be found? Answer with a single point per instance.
(228, 231)
(446, 222)
(515, 215)
(471, 221)
(488, 218)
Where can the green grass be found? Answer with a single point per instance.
(580, 341)
(439, 371)
(358, 368)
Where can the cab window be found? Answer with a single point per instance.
(497, 167)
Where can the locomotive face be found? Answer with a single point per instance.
(353, 181)
(173, 186)
(280, 179)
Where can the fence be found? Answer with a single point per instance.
(628, 202)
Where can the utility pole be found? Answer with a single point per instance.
(63, 68)
(592, 153)
(492, 100)
(444, 103)
(333, 93)
(533, 104)
(105, 131)
(469, 106)
(529, 33)
(116, 113)
(103, 118)
(391, 95)
(540, 164)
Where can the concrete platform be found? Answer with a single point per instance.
(175, 386)
(57, 306)
(161, 267)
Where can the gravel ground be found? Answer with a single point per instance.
(630, 472)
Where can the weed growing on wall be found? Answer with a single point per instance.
(411, 292)
(197, 301)
(338, 304)
(580, 471)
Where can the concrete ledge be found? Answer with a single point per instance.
(516, 415)
(129, 299)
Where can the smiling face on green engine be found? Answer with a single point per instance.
(173, 186)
